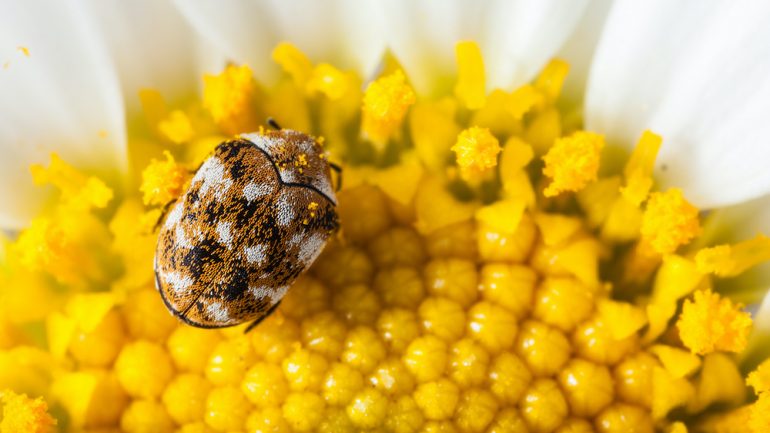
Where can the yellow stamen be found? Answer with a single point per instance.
(470, 88)
(572, 162)
(710, 322)
(759, 379)
(229, 98)
(732, 260)
(759, 414)
(551, 79)
(162, 181)
(78, 190)
(328, 80)
(638, 172)
(24, 414)
(294, 62)
(669, 221)
(476, 150)
(176, 127)
(522, 100)
(385, 104)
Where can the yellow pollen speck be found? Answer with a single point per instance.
(176, 127)
(710, 322)
(24, 414)
(24, 50)
(572, 162)
(638, 171)
(732, 260)
(162, 181)
(229, 98)
(470, 88)
(386, 101)
(476, 150)
(669, 221)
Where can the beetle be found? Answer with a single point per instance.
(255, 216)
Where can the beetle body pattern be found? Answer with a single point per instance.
(256, 215)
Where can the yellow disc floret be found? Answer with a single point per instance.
(229, 97)
(572, 162)
(669, 221)
(386, 101)
(162, 181)
(24, 414)
(710, 322)
(476, 149)
(732, 260)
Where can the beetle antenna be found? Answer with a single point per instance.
(273, 124)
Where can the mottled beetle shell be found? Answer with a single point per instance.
(256, 215)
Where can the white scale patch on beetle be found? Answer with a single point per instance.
(177, 281)
(174, 216)
(284, 209)
(225, 236)
(261, 292)
(253, 191)
(218, 311)
(181, 238)
(212, 174)
(255, 254)
(280, 293)
(310, 249)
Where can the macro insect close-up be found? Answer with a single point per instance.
(553, 218)
(257, 213)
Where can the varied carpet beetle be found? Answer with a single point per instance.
(256, 215)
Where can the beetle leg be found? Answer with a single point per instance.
(258, 321)
(163, 213)
(338, 170)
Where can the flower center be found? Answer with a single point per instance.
(488, 275)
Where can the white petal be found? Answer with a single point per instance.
(699, 74)
(347, 33)
(151, 45)
(64, 97)
(579, 48)
(517, 37)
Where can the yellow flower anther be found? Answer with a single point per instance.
(551, 78)
(24, 414)
(759, 414)
(163, 181)
(638, 172)
(710, 322)
(329, 81)
(79, 191)
(624, 318)
(226, 409)
(476, 410)
(368, 408)
(588, 387)
(572, 162)
(426, 358)
(185, 398)
(678, 362)
(669, 221)
(176, 127)
(145, 416)
(733, 260)
(523, 100)
(294, 62)
(759, 379)
(476, 149)
(229, 97)
(470, 87)
(303, 411)
(386, 102)
(143, 369)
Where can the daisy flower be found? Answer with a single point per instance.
(551, 215)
